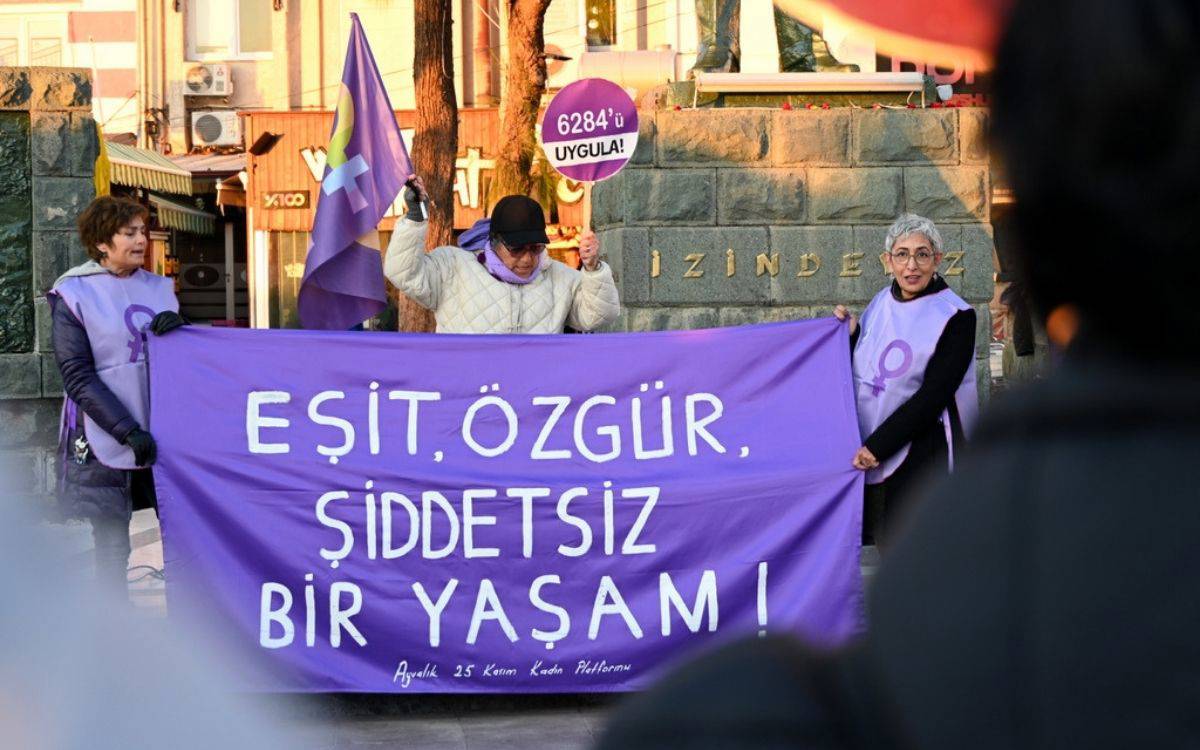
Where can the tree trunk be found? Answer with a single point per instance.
(435, 144)
(524, 84)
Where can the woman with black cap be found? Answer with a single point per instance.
(504, 282)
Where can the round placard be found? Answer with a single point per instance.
(590, 130)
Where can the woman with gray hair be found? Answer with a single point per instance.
(914, 373)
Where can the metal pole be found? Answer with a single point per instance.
(230, 275)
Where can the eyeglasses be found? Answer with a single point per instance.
(537, 249)
(923, 257)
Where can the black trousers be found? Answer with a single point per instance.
(110, 535)
(886, 505)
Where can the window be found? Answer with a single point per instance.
(8, 51)
(34, 39)
(229, 29)
(601, 22)
(46, 51)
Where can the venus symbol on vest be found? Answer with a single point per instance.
(883, 374)
(135, 332)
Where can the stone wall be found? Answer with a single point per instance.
(733, 216)
(47, 159)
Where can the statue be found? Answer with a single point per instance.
(801, 49)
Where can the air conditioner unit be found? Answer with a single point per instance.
(205, 276)
(209, 276)
(208, 80)
(216, 127)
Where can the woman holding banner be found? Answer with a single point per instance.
(501, 280)
(100, 311)
(914, 373)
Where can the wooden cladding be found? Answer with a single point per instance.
(291, 165)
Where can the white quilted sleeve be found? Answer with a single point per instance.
(596, 301)
(419, 275)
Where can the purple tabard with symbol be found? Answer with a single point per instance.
(898, 338)
(116, 310)
(434, 513)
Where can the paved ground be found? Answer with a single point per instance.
(495, 723)
(350, 722)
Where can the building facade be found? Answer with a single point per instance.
(99, 35)
(218, 57)
(287, 55)
(174, 73)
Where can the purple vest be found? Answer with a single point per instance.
(115, 312)
(897, 342)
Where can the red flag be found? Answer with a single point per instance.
(942, 32)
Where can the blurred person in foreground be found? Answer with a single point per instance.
(100, 311)
(78, 671)
(1045, 595)
(505, 282)
(914, 374)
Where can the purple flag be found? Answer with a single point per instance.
(366, 166)
(517, 514)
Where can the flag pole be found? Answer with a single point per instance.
(587, 206)
(366, 166)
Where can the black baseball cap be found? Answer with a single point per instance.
(519, 220)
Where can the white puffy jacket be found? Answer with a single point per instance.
(465, 298)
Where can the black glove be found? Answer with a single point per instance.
(165, 321)
(412, 201)
(144, 448)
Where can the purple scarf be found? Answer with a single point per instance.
(476, 239)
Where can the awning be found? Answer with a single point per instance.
(231, 191)
(208, 170)
(211, 165)
(184, 218)
(137, 167)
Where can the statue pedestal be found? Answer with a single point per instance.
(811, 83)
(800, 89)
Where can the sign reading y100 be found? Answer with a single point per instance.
(590, 130)
(286, 199)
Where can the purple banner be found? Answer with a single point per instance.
(437, 513)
